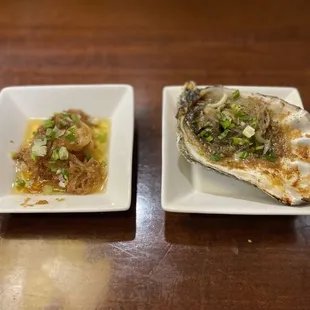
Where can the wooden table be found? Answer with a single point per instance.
(146, 258)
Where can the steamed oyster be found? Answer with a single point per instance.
(259, 139)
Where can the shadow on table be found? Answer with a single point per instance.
(222, 230)
(111, 226)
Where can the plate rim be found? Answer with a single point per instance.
(172, 206)
(85, 208)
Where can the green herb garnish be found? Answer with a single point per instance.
(259, 147)
(63, 153)
(55, 155)
(225, 122)
(70, 137)
(235, 94)
(223, 134)
(88, 156)
(244, 155)
(20, 183)
(209, 139)
(75, 119)
(240, 141)
(205, 133)
(270, 157)
(65, 173)
(49, 123)
(215, 157)
(63, 123)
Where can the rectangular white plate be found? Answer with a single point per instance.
(19, 104)
(190, 188)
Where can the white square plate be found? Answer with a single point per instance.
(19, 104)
(190, 188)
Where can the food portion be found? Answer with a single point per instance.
(66, 153)
(259, 139)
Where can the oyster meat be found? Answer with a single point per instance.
(255, 138)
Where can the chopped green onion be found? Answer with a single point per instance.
(63, 153)
(20, 183)
(244, 117)
(254, 122)
(63, 123)
(244, 155)
(225, 121)
(88, 156)
(70, 137)
(75, 118)
(33, 156)
(215, 157)
(49, 132)
(47, 189)
(225, 124)
(72, 129)
(259, 147)
(65, 114)
(49, 123)
(53, 169)
(55, 155)
(235, 94)
(209, 139)
(223, 134)
(204, 133)
(270, 157)
(240, 141)
(65, 173)
(232, 125)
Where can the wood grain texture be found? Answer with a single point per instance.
(144, 258)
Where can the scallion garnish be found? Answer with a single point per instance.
(244, 155)
(63, 153)
(20, 183)
(259, 147)
(223, 134)
(49, 123)
(240, 141)
(235, 94)
(75, 118)
(55, 155)
(215, 157)
(270, 157)
(70, 137)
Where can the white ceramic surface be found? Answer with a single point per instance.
(190, 188)
(19, 104)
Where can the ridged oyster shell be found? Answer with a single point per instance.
(286, 176)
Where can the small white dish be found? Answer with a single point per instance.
(190, 188)
(19, 104)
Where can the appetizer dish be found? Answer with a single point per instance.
(66, 153)
(255, 138)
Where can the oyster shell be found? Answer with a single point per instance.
(262, 140)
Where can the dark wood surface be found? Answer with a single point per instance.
(146, 258)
